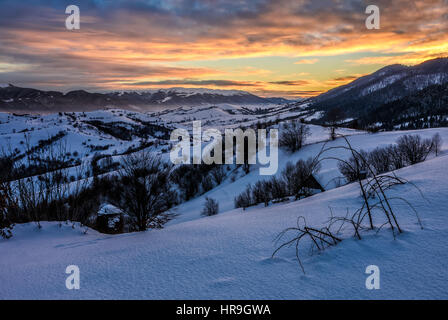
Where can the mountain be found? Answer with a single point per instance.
(280, 100)
(17, 99)
(363, 96)
(427, 108)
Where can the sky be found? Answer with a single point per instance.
(288, 48)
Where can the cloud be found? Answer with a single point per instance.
(307, 61)
(137, 41)
(291, 82)
(292, 94)
(191, 82)
(339, 81)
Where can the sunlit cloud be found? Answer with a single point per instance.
(307, 61)
(135, 43)
(291, 83)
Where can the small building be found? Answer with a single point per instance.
(109, 219)
(313, 183)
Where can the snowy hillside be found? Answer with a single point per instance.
(394, 97)
(328, 176)
(228, 256)
(114, 131)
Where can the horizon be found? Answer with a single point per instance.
(267, 48)
(155, 89)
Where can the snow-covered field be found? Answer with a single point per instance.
(228, 256)
(328, 175)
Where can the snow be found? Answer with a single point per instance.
(108, 209)
(227, 256)
(189, 91)
(315, 115)
(328, 175)
(194, 91)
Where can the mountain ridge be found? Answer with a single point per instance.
(18, 99)
(366, 94)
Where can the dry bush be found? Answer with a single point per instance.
(278, 188)
(218, 174)
(413, 148)
(436, 143)
(7, 204)
(319, 238)
(354, 168)
(297, 176)
(261, 192)
(244, 199)
(380, 160)
(143, 190)
(375, 211)
(211, 207)
(293, 135)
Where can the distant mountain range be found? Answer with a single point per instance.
(396, 96)
(17, 99)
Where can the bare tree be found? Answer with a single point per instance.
(244, 199)
(413, 148)
(144, 191)
(211, 207)
(397, 159)
(261, 192)
(334, 116)
(218, 174)
(354, 168)
(8, 203)
(380, 160)
(298, 176)
(436, 143)
(278, 188)
(293, 135)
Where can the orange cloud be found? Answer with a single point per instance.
(307, 61)
(121, 46)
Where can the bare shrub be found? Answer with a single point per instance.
(144, 192)
(375, 212)
(297, 176)
(206, 184)
(397, 159)
(380, 160)
(278, 188)
(293, 135)
(189, 177)
(296, 180)
(183, 176)
(244, 199)
(7, 203)
(413, 148)
(354, 168)
(436, 143)
(261, 192)
(218, 174)
(319, 238)
(211, 207)
(333, 118)
(43, 196)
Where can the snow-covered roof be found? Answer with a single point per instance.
(108, 209)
